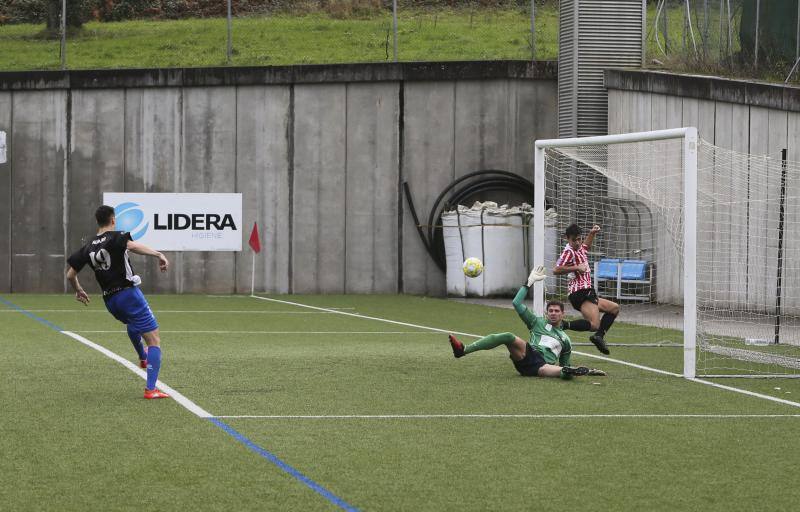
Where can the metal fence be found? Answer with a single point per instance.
(370, 31)
(746, 38)
(752, 38)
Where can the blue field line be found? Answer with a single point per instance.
(39, 319)
(314, 486)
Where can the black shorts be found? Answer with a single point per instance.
(529, 365)
(578, 298)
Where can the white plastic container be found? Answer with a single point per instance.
(496, 235)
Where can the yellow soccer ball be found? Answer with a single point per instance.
(473, 267)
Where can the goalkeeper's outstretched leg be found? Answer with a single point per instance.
(548, 352)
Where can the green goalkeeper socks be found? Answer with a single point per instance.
(491, 341)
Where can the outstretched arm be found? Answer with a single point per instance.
(590, 237)
(163, 262)
(80, 294)
(524, 313)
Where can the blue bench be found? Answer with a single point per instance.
(625, 271)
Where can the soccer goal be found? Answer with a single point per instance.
(699, 245)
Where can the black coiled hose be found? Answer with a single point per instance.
(464, 187)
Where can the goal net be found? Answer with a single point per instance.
(699, 245)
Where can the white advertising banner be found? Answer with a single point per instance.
(180, 222)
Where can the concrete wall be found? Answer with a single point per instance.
(739, 231)
(318, 152)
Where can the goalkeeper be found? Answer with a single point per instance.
(547, 354)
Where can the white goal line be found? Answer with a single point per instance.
(268, 332)
(593, 356)
(500, 416)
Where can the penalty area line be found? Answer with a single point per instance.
(182, 311)
(585, 354)
(202, 413)
(175, 395)
(197, 411)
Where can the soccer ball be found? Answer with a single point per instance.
(473, 267)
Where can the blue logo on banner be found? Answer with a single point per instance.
(129, 218)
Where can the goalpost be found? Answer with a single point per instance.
(700, 245)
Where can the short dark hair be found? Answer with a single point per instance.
(555, 303)
(572, 231)
(103, 215)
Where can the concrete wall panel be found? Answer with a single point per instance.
(318, 164)
(700, 114)
(209, 165)
(739, 231)
(372, 180)
(153, 164)
(539, 98)
(670, 264)
(531, 115)
(428, 167)
(5, 194)
(762, 192)
(483, 126)
(731, 214)
(739, 141)
(722, 215)
(97, 162)
(262, 176)
(318, 245)
(40, 148)
(791, 237)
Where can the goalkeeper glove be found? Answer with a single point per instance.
(596, 372)
(536, 275)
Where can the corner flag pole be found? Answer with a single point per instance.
(2, 147)
(253, 277)
(255, 244)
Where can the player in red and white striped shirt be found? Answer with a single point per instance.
(574, 260)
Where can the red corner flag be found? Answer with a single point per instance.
(255, 243)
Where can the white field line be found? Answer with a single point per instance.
(271, 332)
(594, 356)
(178, 397)
(501, 416)
(245, 312)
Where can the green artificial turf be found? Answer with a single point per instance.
(76, 434)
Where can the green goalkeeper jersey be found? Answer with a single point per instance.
(552, 342)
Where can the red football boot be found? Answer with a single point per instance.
(153, 394)
(457, 346)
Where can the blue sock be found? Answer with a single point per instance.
(136, 341)
(153, 365)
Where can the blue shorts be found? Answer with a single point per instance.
(131, 308)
